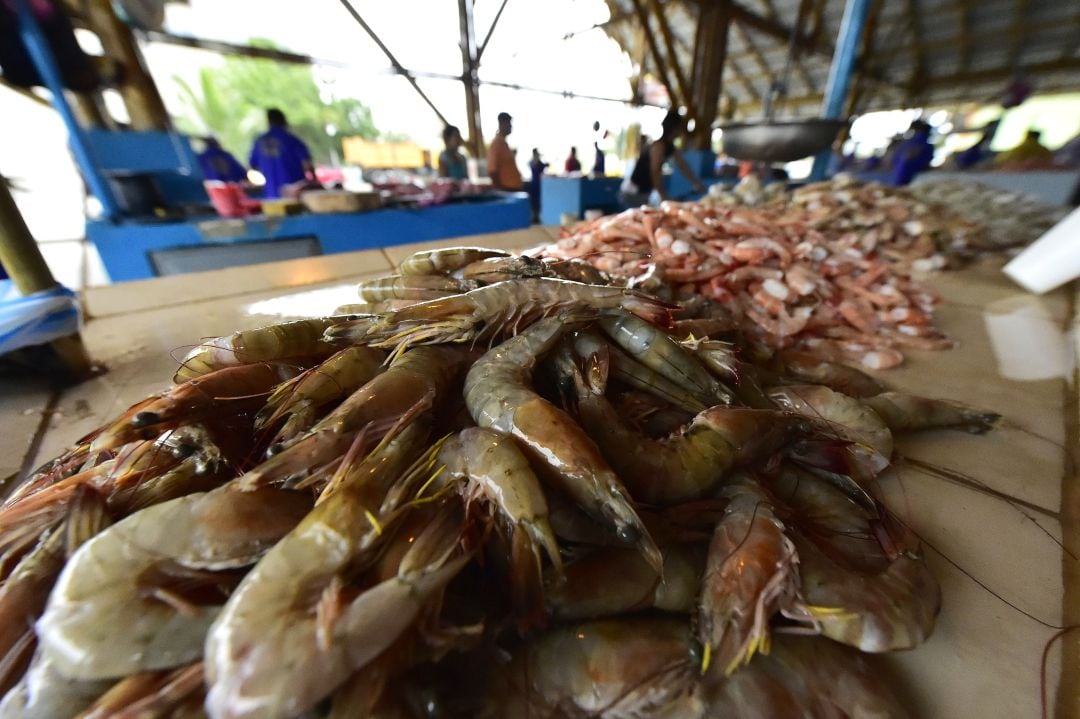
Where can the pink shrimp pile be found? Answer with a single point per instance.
(784, 279)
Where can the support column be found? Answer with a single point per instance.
(144, 104)
(714, 22)
(469, 77)
(22, 259)
(843, 65)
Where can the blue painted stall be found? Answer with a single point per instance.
(574, 195)
(133, 250)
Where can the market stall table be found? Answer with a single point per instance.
(1014, 357)
(137, 249)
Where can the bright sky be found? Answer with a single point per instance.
(527, 48)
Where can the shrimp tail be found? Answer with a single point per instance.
(526, 581)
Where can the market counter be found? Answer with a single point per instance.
(994, 511)
(133, 250)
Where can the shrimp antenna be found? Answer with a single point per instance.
(970, 482)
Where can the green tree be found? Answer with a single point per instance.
(230, 102)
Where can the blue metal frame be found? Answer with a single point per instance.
(41, 54)
(843, 64)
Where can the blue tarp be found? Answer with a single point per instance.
(37, 318)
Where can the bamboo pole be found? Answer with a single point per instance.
(22, 260)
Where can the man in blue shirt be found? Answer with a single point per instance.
(280, 156)
(219, 164)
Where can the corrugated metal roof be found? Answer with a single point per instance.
(918, 52)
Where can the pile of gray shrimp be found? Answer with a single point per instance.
(500, 487)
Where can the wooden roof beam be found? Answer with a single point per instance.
(669, 45)
(1004, 72)
(801, 13)
(1017, 34)
(755, 53)
(964, 35)
(657, 56)
(803, 41)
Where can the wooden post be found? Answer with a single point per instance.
(86, 108)
(144, 104)
(716, 19)
(658, 58)
(469, 78)
(22, 259)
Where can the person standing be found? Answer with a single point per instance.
(573, 164)
(280, 156)
(217, 163)
(536, 170)
(913, 155)
(502, 167)
(599, 161)
(648, 173)
(452, 162)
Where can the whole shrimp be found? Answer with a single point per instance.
(134, 574)
(491, 468)
(231, 390)
(277, 649)
(411, 287)
(445, 260)
(617, 669)
(750, 574)
(689, 464)
(488, 312)
(863, 580)
(298, 339)
(339, 376)
(499, 396)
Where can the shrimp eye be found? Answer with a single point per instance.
(275, 448)
(141, 419)
(696, 652)
(628, 534)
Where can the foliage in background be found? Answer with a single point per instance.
(230, 103)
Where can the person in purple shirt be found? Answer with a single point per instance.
(280, 156)
(219, 164)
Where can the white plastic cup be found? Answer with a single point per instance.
(1050, 261)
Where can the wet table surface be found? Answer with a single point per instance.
(995, 512)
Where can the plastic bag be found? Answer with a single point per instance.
(35, 319)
